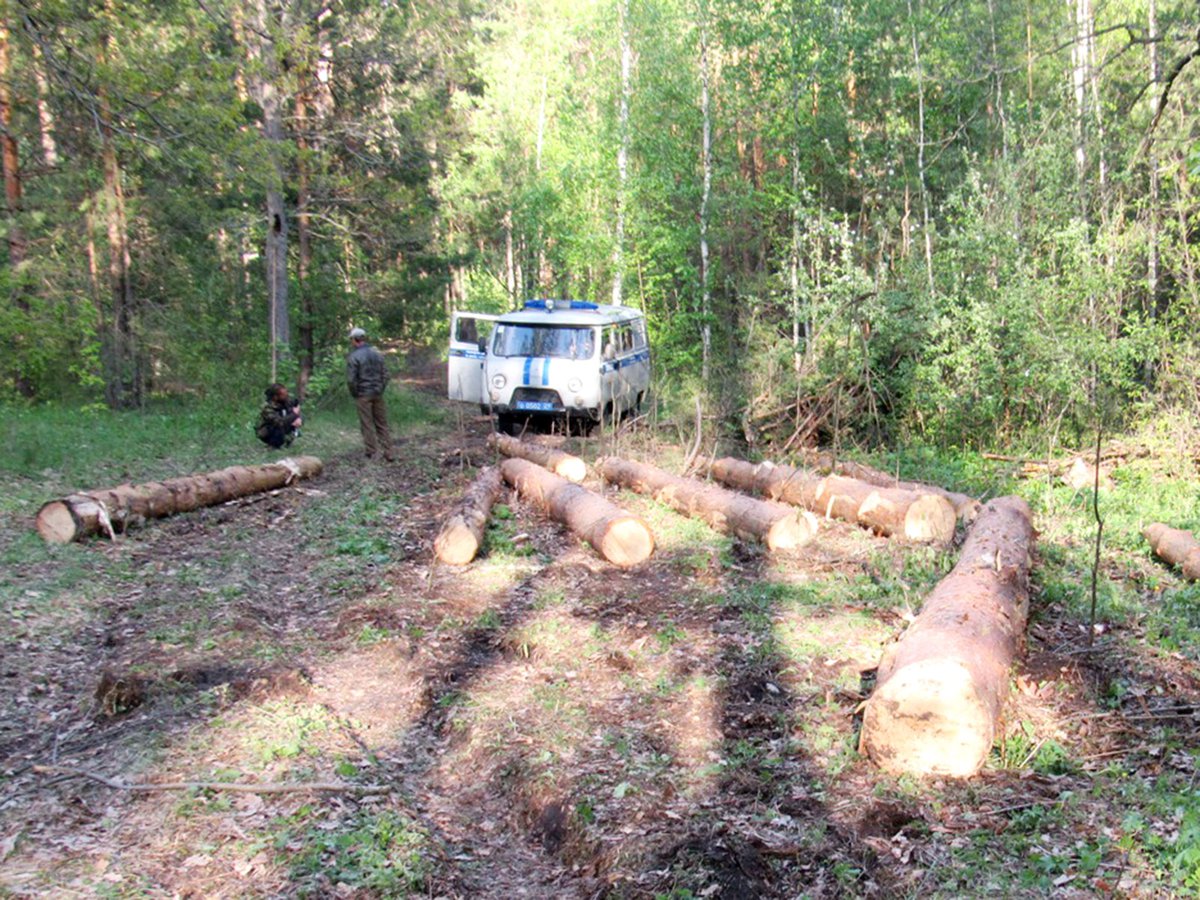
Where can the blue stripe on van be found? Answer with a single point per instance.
(528, 363)
(546, 373)
(614, 365)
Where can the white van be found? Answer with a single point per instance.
(553, 358)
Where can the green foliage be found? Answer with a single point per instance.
(383, 853)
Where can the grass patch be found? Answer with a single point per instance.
(384, 854)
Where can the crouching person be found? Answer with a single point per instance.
(279, 421)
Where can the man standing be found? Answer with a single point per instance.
(367, 377)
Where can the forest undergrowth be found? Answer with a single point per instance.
(539, 723)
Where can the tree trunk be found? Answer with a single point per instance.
(304, 243)
(462, 534)
(622, 539)
(913, 515)
(123, 378)
(45, 116)
(780, 527)
(966, 508)
(926, 225)
(936, 705)
(562, 464)
(706, 191)
(116, 509)
(618, 295)
(262, 77)
(11, 158)
(1178, 547)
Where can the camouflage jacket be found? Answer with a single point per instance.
(366, 372)
(272, 417)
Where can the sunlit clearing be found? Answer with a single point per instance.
(849, 642)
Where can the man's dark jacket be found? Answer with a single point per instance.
(366, 372)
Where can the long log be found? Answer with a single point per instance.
(462, 533)
(778, 526)
(620, 538)
(562, 464)
(965, 507)
(936, 705)
(888, 511)
(81, 515)
(1176, 546)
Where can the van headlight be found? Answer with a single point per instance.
(575, 385)
(498, 381)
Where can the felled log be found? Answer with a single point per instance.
(110, 511)
(1176, 546)
(462, 533)
(620, 538)
(563, 464)
(888, 511)
(936, 705)
(964, 507)
(778, 526)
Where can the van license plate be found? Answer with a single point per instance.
(534, 404)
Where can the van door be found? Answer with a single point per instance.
(469, 334)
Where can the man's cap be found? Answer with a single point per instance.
(357, 333)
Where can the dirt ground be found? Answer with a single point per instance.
(536, 724)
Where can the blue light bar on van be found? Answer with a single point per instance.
(551, 305)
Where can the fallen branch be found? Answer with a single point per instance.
(237, 786)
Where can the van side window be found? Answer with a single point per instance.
(466, 332)
(472, 331)
(639, 334)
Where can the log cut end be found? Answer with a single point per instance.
(791, 532)
(56, 524)
(1176, 546)
(305, 466)
(626, 541)
(931, 518)
(456, 544)
(929, 719)
(571, 468)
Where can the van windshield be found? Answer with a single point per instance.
(560, 341)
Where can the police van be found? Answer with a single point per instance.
(564, 359)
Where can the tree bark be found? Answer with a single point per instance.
(304, 242)
(114, 510)
(778, 526)
(917, 516)
(622, 539)
(462, 533)
(262, 78)
(45, 116)
(1176, 546)
(11, 158)
(618, 295)
(936, 705)
(966, 508)
(562, 464)
(705, 194)
(123, 378)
